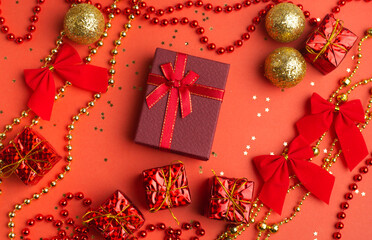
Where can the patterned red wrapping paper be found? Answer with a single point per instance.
(183, 99)
(30, 156)
(230, 199)
(328, 45)
(117, 218)
(166, 187)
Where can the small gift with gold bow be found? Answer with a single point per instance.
(29, 156)
(230, 199)
(328, 45)
(117, 218)
(166, 187)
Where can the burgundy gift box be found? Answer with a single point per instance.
(166, 187)
(328, 45)
(183, 99)
(230, 199)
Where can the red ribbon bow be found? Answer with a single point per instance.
(69, 67)
(324, 113)
(180, 88)
(275, 171)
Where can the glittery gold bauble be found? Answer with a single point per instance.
(285, 67)
(285, 22)
(84, 24)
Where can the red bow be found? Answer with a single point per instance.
(69, 67)
(322, 115)
(275, 171)
(180, 88)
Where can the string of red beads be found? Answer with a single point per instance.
(30, 29)
(79, 232)
(349, 196)
(170, 233)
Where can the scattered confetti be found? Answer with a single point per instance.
(248, 147)
(348, 70)
(271, 153)
(222, 173)
(105, 159)
(186, 43)
(315, 233)
(357, 191)
(214, 154)
(258, 114)
(363, 194)
(325, 151)
(254, 97)
(200, 170)
(245, 153)
(285, 144)
(253, 138)
(318, 19)
(267, 109)
(312, 83)
(267, 99)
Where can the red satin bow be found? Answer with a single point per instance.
(180, 88)
(345, 116)
(275, 171)
(69, 67)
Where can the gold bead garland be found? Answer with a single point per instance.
(83, 111)
(265, 229)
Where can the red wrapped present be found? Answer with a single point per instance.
(166, 187)
(183, 99)
(230, 199)
(117, 218)
(328, 45)
(29, 155)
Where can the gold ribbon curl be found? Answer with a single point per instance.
(9, 169)
(333, 35)
(232, 200)
(120, 220)
(169, 183)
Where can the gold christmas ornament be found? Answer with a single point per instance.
(285, 67)
(84, 24)
(285, 22)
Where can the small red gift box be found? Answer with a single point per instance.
(230, 199)
(328, 45)
(30, 156)
(166, 187)
(117, 218)
(183, 99)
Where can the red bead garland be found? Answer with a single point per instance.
(349, 196)
(79, 232)
(170, 233)
(30, 29)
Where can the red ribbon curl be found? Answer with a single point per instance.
(69, 67)
(344, 117)
(276, 169)
(180, 88)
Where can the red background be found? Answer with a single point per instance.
(106, 157)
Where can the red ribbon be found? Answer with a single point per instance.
(344, 116)
(69, 67)
(275, 171)
(180, 88)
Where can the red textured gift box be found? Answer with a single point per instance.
(117, 218)
(183, 99)
(30, 156)
(166, 187)
(328, 45)
(230, 199)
